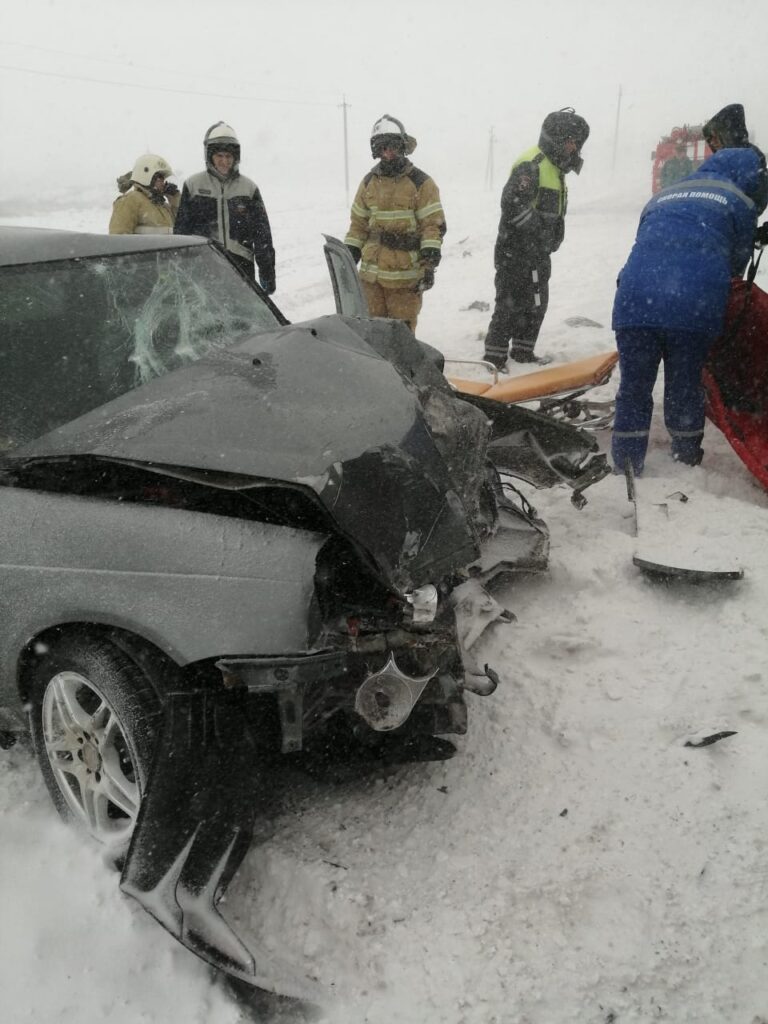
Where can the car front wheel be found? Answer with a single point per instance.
(93, 719)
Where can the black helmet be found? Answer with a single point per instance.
(730, 127)
(559, 127)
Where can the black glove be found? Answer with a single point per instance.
(268, 284)
(171, 189)
(356, 253)
(430, 257)
(761, 235)
(427, 279)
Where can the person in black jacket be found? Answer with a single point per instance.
(532, 226)
(727, 129)
(222, 203)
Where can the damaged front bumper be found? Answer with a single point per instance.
(210, 776)
(211, 772)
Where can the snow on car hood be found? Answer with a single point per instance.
(313, 406)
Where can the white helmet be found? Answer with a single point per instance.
(147, 166)
(221, 136)
(389, 130)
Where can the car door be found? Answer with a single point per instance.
(347, 291)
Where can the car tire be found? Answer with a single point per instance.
(94, 717)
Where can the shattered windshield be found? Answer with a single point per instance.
(79, 333)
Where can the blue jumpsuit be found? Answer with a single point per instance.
(693, 238)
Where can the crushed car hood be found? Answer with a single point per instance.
(312, 406)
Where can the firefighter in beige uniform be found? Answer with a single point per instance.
(397, 226)
(150, 201)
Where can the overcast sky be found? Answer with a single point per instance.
(87, 86)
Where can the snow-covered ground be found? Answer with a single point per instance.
(575, 861)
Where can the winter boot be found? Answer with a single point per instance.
(522, 352)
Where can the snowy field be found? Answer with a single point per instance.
(575, 862)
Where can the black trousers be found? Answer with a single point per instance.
(522, 297)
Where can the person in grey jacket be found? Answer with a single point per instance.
(223, 204)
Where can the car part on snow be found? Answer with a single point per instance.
(707, 741)
(196, 823)
(581, 321)
(666, 548)
(7, 739)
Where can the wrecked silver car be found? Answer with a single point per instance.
(226, 537)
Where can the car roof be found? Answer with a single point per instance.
(19, 245)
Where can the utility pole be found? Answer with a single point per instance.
(616, 133)
(489, 161)
(345, 106)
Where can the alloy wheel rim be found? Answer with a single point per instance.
(90, 759)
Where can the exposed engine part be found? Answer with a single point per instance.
(424, 602)
(387, 697)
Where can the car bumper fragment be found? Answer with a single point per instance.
(196, 823)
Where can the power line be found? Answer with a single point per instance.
(161, 88)
(126, 64)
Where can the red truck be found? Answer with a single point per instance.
(681, 143)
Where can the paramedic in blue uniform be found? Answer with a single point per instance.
(693, 238)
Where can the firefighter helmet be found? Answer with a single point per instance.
(221, 137)
(147, 166)
(388, 131)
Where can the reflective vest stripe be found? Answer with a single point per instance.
(428, 210)
(521, 218)
(389, 215)
(412, 274)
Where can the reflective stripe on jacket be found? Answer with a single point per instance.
(393, 219)
(230, 211)
(136, 214)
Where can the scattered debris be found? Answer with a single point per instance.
(709, 740)
(564, 812)
(477, 304)
(581, 321)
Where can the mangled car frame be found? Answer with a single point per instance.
(225, 535)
